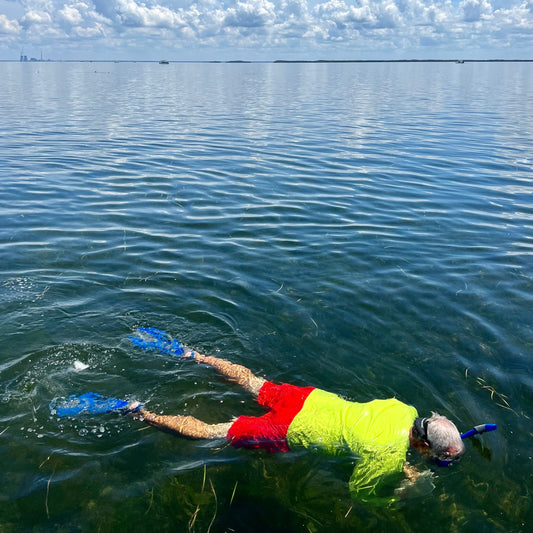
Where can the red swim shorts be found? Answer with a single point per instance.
(270, 430)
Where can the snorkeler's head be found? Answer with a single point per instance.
(440, 437)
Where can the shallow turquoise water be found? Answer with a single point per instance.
(364, 228)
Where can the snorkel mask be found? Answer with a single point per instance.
(420, 430)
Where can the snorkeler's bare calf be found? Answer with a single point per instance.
(237, 373)
(191, 427)
(186, 426)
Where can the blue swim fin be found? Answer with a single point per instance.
(155, 340)
(90, 403)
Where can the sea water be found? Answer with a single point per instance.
(364, 228)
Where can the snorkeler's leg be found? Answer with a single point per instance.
(236, 373)
(187, 426)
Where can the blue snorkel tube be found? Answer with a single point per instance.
(482, 428)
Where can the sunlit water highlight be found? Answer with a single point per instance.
(365, 228)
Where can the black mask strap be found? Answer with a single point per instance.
(420, 428)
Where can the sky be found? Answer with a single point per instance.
(265, 30)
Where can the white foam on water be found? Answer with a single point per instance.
(79, 366)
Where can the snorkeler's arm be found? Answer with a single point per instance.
(377, 479)
(236, 373)
(187, 426)
(372, 481)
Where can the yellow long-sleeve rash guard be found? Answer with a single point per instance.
(376, 432)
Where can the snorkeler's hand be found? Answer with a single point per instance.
(411, 473)
(422, 486)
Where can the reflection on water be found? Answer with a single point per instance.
(365, 228)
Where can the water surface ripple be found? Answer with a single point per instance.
(365, 228)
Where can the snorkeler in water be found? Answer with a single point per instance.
(379, 433)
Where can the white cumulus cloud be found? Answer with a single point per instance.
(71, 15)
(8, 27)
(131, 13)
(343, 27)
(251, 14)
(33, 17)
(474, 10)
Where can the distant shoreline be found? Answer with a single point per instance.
(408, 61)
(275, 61)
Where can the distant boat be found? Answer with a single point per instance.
(163, 62)
(460, 61)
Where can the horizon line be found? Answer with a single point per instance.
(413, 60)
